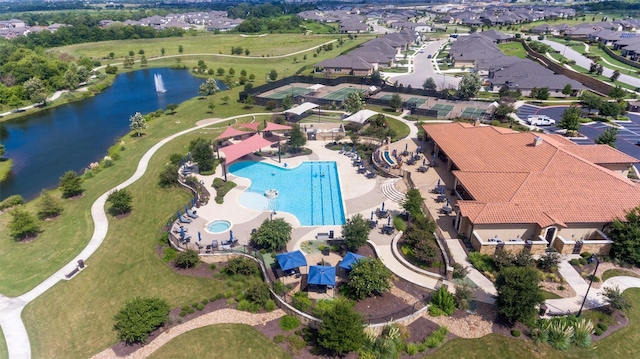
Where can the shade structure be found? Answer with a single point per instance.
(322, 275)
(349, 259)
(233, 152)
(272, 126)
(291, 260)
(231, 132)
(360, 116)
(302, 108)
(252, 125)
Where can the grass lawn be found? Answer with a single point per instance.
(223, 341)
(5, 168)
(550, 295)
(620, 345)
(616, 273)
(401, 129)
(513, 48)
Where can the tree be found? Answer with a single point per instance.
(469, 85)
(355, 232)
(121, 201)
(571, 120)
(169, 176)
(202, 153)
(395, 102)
(139, 317)
(593, 67)
(614, 76)
(71, 79)
(503, 110)
(599, 70)
(112, 55)
(429, 84)
(376, 77)
(225, 99)
(70, 184)
(354, 102)
(162, 51)
(519, 293)
(297, 138)
(252, 77)
(35, 90)
(180, 49)
(48, 206)
(463, 296)
(247, 52)
(172, 107)
(609, 109)
(3, 151)
(137, 123)
(412, 202)
(248, 102)
(208, 87)
(341, 330)
(220, 71)
(617, 92)
(131, 53)
(143, 61)
(426, 251)
(187, 259)
(369, 276)
(273, 75)
(608, 137)
(567, 90)
(287, 102)
(273, 234)
(542, 93)
(83, 74)
(613, 297)
(625, 235)
(590, 101)
(211, 105)
(23, 224)
(232, 72)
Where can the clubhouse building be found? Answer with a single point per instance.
(533, 191)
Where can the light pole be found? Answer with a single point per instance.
(593, 257)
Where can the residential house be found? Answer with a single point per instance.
(532, 191)
(345, 65)
(526, 75)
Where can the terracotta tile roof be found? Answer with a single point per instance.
(555, 182)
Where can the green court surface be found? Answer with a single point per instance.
(341, 94)
(295, 91)
(473, 112)
(385, 97)
(419, 101)
(443, 113)
(440, 106)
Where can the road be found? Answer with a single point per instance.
(628, 132)
(584, 62)
(423, 68)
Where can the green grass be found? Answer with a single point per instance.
(550, 295)
(616, 273)
(222, 341)
(4, 354)
(513, 48)
(619, 345)
(400, 128)
(5, 168)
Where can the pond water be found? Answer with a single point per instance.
(45, 145)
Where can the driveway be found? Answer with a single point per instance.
(628, 132)
(586, 63)
(423, 68)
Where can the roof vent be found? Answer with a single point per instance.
(537, 141)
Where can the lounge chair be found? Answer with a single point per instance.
(191, 213)
(184, 219)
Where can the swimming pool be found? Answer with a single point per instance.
(310, 191)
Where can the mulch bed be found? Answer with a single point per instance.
(379, 309)
(415, 290)
(621, 322)
(123, 349)
(420, 329)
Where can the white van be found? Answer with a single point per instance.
(540, 120)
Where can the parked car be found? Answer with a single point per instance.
(540, 120)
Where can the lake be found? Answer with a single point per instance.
(45, 145)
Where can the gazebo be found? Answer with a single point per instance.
(322, 276)
(291, 260)
(349, 259)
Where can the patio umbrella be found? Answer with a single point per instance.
(424, 161)
(179, 215)
(448, 204)
(441, 190)
(199, 237)
(188, 156)
(230, 235)
(382, 206)
(371, 216)
(349, 259)
(438, 182)
(344, 147)
(193, 202)
(389, 221)
(186, 209)
(372, 167)
(181, 232)
(291, 260)
(322, 275)
(406, 147)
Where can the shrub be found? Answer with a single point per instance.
(278, 338)
(242, 265)
(411, 349)
(139, 317)
(585, 255)
(289, 322)
(213, 266)
(200, 306)
(11, 201)
(459, 272)
(187, 259)
(205, 301)
(548, 261)
(595, 278)
(574, 262)
(560, 334)
(248, 306)
(444, 301)
(582, 333)
(603, 327)
(191, 311)
(515, 332)
(301, 301)
(169, 254)
(436, 338)
(48, 206)
(270, 305)
(23, 224)
(598, 331)
(539, 335)
(582, 261)
(561, 287)
(482, 262)
(258, 293)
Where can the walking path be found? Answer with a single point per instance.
(222, 316)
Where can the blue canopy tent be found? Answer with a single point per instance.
(322, 275)
(349, 259)
(291, 260)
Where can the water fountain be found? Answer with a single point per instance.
(157, 78)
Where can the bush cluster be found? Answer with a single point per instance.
(243, 266)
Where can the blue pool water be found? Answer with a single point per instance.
(218, 226)
(310, 191)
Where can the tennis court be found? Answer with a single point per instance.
(340, 94)
(472, 112)
(385, 97)
(296, 91)
(443, 110)
(419, 101)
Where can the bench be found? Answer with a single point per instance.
(73, 272)
(324, 236)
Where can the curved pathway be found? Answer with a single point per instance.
(13, 328)
(222, 316)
